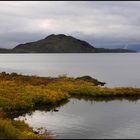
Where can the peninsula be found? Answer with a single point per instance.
(20, 94)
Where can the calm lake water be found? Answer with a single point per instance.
(80, 118)
(116, 69)
(90, 120)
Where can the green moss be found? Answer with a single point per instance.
(91, 80)
(16, 130)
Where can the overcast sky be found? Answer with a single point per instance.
(98, 23)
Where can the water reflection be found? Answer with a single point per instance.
(90, 118)
(51, 108)
(106, 98)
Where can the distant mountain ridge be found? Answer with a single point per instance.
(131, 46)
(60, 44)
(135, 47)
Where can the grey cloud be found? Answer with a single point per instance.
(96, 22)
(15, 38)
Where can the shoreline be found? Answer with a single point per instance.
(22, 93)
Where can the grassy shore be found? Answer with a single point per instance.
(20, 93)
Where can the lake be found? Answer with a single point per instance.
(84, 118)
(89, 120)
(116, 69)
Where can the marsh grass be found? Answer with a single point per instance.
(16, 130)
(23, 93)
(20, 93)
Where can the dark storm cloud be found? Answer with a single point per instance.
(96, 22)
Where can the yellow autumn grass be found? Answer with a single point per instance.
(23, 93)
